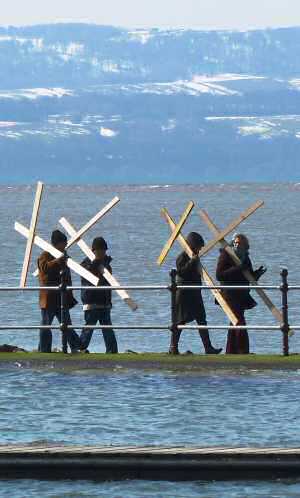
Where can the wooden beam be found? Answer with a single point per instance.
(222, 234)
(92, 222)
(33, 224)
(76, 237)
(275, 311)
(204, 273)
(176, 231)
(38, 241)
(107, 275)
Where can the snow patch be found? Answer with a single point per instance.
(34, 93)
(108, 133)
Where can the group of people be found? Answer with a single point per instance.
(189, 303)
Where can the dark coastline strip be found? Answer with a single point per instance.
(148, 463)
(152, 361)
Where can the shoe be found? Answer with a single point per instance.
(84, 351)
(213, 350)
(75, 351)
(173, 351)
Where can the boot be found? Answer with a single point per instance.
(209, 349)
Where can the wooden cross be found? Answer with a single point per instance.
(107, 275)
(204, 273)
(33, 224)
(76, 267)
(77, 236)
(216, 231)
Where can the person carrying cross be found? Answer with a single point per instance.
(240, 300)
(97, 304)
(189, 302)
(50, 269)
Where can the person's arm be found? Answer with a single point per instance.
(45, 264)
(185, 265)
(226, 269)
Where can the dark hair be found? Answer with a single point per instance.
(57, 236)
(99, 243)
(195, 240)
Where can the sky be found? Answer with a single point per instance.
(206, 14)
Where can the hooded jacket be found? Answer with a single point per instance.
(102, 298)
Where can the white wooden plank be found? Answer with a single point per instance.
(93, 221)
(38, 241)
(33, 224)
(70, 229)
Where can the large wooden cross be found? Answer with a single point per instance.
(204, 273)
(77, 235)
(220, 235)
(70, 229)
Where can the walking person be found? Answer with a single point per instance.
(50, 302)
(240, 300)
(189, 302)
(97, 304)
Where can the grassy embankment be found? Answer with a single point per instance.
(151, 361)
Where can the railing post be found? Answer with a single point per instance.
(175, 333)
(173, 288)
(285, 327)
(63, 309)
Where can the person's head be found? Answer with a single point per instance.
(99, 247)
(195, 241)
(240, 242)
(59, 240)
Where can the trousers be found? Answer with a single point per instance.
(69, 337)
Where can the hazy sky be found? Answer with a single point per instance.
(209, 14)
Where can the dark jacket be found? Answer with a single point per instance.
(228, 273)
(49, 275)
(189, 303)
(101, 297)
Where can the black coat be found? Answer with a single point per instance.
(91, 296)
(228, 273)
(189, 303)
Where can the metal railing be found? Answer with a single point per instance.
(63, 288)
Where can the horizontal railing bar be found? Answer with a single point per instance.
(229, 327)
(204, 287)
(21, 289)
(145, 327)
(146, 287)
(120, 287)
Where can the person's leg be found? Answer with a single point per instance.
(45, 343)
(242, 336)
(238, 339)
(108, 334)
(175, 336)
(70, 336)
(204, 334)
(91, 318)
(231, 345)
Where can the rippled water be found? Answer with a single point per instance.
(141, 408)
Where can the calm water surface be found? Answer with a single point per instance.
(140, 408)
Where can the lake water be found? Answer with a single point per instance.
(143, 408)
